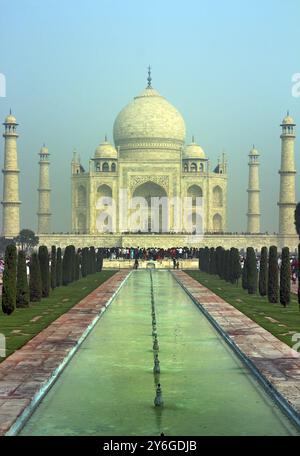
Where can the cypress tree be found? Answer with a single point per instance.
(219, 261)
(22, 297)
(212, 262)
(245, 274)
(285, 277)
(84, 262)
(223, 263)
(251, 271)
(72, 263)
(9, 280)
(273, 290)
(77, 266)
(99, 260)
(227, 266)
(206, 259)
(58, 268)
(66, 266)
(53, 273)
(263, 271)
(45, 272)
(235, 265)
(35, 281)
(92, 260)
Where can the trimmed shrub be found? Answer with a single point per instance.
(92, 260)
(219, 261)
(212, 261)
(235, 266)
(9, 280)
(263, 272)
(273, 287)
(72, 263)
(99, 260)
(58, 267)
(35, 281)
(245, 275)
(44, 267)
(84, 261)
(285, 277)
(22, 297)
(53, 277)
(66, 266)
(77, 266)
(251, 271)
(227, 266)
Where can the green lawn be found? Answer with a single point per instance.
(24, 324)
(281, 322)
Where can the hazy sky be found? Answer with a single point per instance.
(71, 66)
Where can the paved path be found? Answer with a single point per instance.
(24, 374)
(274, 360)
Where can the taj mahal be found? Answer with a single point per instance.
(151, 158)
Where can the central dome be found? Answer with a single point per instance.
(149, 118)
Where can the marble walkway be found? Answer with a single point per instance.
(272, 360)
(27, 372)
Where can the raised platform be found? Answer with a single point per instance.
(239, 241)
(145, 264)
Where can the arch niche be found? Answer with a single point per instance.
(81, 196)
(147, 191)
(218, 196)
(217, 223)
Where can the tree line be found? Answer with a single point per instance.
(47, 270)
(267, 279)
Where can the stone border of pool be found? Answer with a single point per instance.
(27, 375)
(274, 364)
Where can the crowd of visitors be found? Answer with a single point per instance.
(155, 254)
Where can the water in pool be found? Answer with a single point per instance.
(108, 387)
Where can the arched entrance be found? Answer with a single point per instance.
(156, 208)
(105, 221)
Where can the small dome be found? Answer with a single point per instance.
(149, 117)
(288, 120)
(253, 152)
(193, 150)
(10, 119)
(44, 150)
(105, 150)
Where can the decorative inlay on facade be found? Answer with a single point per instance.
(136, 181)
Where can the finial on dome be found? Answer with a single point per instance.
(193, 139)
(10, 111)
(105, 138)
(149, 79)
(288, 112)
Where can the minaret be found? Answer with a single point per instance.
(11, 202)
(253, 215)
(44, 214)
(287, 199)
